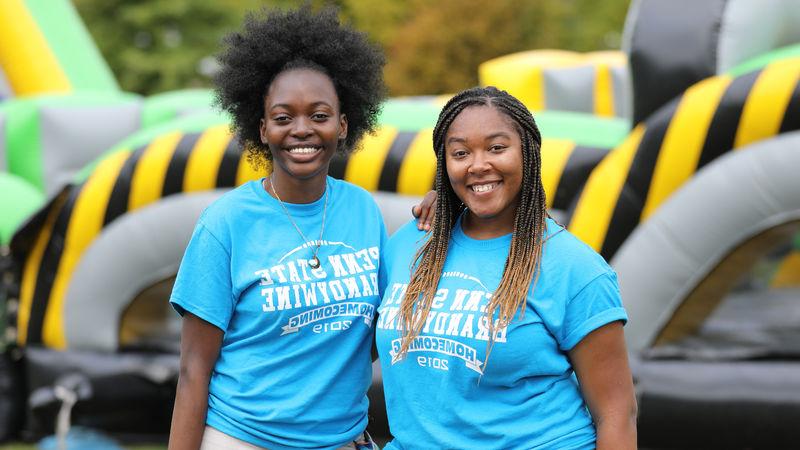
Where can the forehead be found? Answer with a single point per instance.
(301, 86)
(481, 121)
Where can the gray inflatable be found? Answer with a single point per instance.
(676, 267)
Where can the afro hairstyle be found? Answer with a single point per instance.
(273, 41)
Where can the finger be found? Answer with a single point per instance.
(429, 215)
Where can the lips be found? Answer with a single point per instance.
(305, 150)
(480, 188)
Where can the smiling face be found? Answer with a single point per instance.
(302, 124)
(483, 155)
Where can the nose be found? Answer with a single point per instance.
(301, 128)
(479, 163)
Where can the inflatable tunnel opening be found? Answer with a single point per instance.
(149, 323)
(747, 307)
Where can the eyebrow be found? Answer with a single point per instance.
(313, 105)
(460, 140)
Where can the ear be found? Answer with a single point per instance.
(342, 126)
(262, 130)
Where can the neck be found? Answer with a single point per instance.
(293, 190)
(487, 228)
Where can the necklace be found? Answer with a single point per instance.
(314, 261)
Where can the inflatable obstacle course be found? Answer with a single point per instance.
(104, 232)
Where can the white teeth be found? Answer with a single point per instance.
(302, 150)
(483, 187)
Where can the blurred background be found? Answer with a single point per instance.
(154, 46)
(670, 145)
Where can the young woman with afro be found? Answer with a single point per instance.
(279, 285)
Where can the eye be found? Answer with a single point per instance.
(458, 153)
(320, 116)
(282, 118)
(496, 148)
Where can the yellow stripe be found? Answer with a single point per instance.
(534, 96)
(767, 101)
(245, 171)
(85, 224)
(603, 91)
(364, 167)
(148, 178)
(205, 158)
(26, 59)
(555, 153)
(788, 273)
(683, 142)
(31, 271)
(418, 169)
(599, 198)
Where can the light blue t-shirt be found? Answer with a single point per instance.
(442, 396)
(295, 365)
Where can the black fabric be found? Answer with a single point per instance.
(226, 174)
(12, 398)
(120, 193)
(173, 179)
(579, 166)
(791, 118)
(725, 123)
(673, 46)
(131, 393)
(630, 203)
(716, 405)
(48, 268)
(394, 159)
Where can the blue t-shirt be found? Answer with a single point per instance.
(441, 395)
(295, 365)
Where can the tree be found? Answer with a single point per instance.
(432, 47)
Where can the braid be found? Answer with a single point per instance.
(523, 263)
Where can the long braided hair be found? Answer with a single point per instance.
(524, 257)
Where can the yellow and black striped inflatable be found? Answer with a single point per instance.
(714, 116)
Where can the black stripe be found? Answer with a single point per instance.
(394, 159)
(173, 180)
(338, 165)
(579, 165)
(791, 118)
(668, 56)
(722, 130)
(48, 268)
(629, 206)
(118, 200)
(226, 175)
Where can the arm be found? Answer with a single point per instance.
(601, 365)
(200, 344)
(425, 211)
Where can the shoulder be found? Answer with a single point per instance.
(229, 207)
(350, 190)
(407, 238)
(566, 255)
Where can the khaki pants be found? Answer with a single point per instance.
(214, 439)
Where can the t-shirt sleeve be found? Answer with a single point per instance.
(203, 286)
(597, 304)
(383, 243)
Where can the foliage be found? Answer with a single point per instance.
(432, 47)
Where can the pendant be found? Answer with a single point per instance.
(314, 262)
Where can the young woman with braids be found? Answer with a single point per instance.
(499, 329)
(278, 286)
